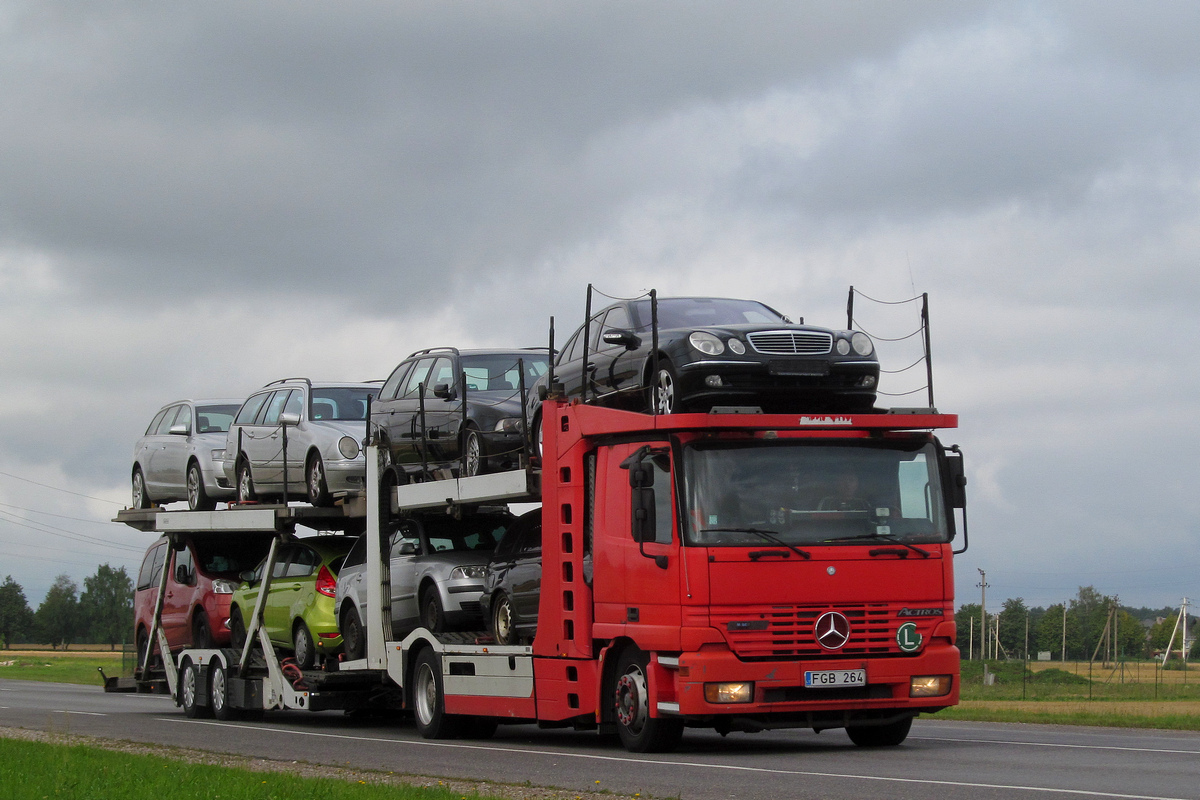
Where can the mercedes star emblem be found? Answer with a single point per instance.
(832, 630)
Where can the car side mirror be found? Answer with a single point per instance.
(247, 576)
(620, 338)
(406, 549)
(444, 391)
(182, 574)
(178, 430)
(289, 418)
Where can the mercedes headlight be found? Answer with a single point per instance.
(706, 343)
(348, 447)
(862, 344)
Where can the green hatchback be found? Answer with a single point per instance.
(299, 614)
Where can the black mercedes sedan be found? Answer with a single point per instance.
(716, 351)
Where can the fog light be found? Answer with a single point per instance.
(729, 692)
(868, 381)
(713, 381)
(929, 686)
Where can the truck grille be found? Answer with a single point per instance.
(791, 343)
(787, 631)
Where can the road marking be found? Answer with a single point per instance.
(1056, 744)
(625, 759)
(84, 713)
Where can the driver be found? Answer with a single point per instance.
(843, 494)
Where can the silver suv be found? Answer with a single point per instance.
(178, 457)
(322, 425)
(437, 566)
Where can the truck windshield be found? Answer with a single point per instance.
(807, 493)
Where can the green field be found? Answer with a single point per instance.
(59, 666)
(38, 770)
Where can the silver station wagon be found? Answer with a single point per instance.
(320, 425)
(179, 455)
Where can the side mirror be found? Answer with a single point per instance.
(642, 524)
(956, 478)
(406, 549)
(178, 430)
(289, 418)
(620, 338)
(247, 576)
(444, 391)
(183, 575)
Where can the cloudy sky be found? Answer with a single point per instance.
(196, 199)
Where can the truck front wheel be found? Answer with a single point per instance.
(429, 700)
(639, 732)
(190, 686)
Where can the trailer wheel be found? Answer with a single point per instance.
(189, 691)
(639, 732)
(352, 635)
(429, 701)
(880, 735)
(218, 693)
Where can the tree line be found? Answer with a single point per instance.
(101, 614)
(1092, 625)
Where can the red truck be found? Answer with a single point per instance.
(732, 570)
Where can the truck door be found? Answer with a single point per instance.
(637, 584)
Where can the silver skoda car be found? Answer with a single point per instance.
(321, 426)
(437, 568)
(179, 455)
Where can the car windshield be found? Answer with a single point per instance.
(480, 533)
(500, 372)
(700, 312)
(341, 403)
(804, 493)
(214, 419)
(229, 556)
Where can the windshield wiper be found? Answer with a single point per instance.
(887, 537)
(770, 536)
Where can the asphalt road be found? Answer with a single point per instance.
(946, 760)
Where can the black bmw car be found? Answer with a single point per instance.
(716, 351)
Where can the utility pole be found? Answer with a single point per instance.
(1064, 652)
(983, 584)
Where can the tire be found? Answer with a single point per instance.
(202, 638)
(432, 616)
(429, 699)
(218, 693)
(665, 389)
(880, 735)
(141, 498)
(314, 479)
(387, 487)
(237, 628)
(639, 732)
(536, 434)
(354, 644)
(190, 684)
(197, 497)
(472, 448)
(245, 483)
(143, 644)
(305, 652)
(501, 620)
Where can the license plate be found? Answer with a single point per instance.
(835, 677)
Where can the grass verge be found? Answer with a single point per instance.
(74, 668)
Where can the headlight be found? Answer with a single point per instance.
(733, 692)
(348, 447)
(862, 344)
(462, 573)
(843, 347)
(736, 347)
(222, 586)
(930, 686)
(706, 343)
(508, 425)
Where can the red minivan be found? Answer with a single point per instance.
(201, 577)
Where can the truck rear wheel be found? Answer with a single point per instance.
(639, 732)
(218, 693)
(888, 735)
(190, 683)
(429, 699)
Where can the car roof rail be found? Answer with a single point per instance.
(427, 350)
(306, 381)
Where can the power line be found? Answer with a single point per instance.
(41, 527)
(59, 516)
(57, 489)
